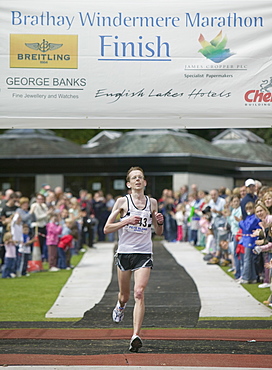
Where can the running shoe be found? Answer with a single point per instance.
(118, 313)
(135, 343)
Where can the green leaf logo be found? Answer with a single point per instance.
(215, 49)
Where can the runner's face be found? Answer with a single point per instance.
(137, 180)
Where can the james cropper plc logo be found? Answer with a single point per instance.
(215, 50)
(44, 55)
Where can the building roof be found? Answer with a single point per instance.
(17, 142)
(155, 141)
(233, 146)
(245, 145)
(103, 136)
(233, 135)
(159, 151)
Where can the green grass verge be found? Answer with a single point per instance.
(29, 298)
(260, 294)
(233, 318)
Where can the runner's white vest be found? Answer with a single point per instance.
(136, 238)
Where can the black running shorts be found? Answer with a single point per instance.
(133, 261)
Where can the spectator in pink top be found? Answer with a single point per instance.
(53, 232)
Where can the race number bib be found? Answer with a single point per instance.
(142, 226)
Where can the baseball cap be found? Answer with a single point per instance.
(249, 182)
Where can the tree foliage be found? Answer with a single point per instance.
(265, 133)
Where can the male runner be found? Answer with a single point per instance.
(134, 254)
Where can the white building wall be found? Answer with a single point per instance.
(204, 182)
(52, 180)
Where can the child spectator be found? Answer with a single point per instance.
(10, 256)
(234, 218)
(248, 225)
(179, 216)
(225, 251)
(75, 214)
(210, 246)
(16, 229)
(63, 216)
(69, 232)
(239, 255)
(204, 225)
(53, 232)
(63, 248)
(24, 251)
(193, 218)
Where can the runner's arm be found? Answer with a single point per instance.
(118, 209)
(157, 218)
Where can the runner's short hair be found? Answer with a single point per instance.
(134, 169)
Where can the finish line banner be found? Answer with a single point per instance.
(136, 64)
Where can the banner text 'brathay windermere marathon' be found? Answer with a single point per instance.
(130, 63)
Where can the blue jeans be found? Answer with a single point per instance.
(249, 272)
(239, 265)
(170, 228)
(61, 259)
(23, 259)
(9, 267)
(238, 261)
(193, 236)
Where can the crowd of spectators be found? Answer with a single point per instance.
(234, 227)
(60, 224)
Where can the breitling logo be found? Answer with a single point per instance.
(43, 46)
(48, 51)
